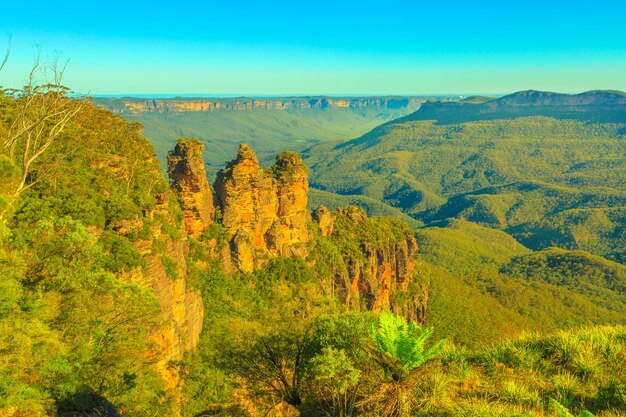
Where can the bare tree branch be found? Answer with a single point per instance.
(42, 111)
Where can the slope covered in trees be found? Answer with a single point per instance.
(95, 296)
(496, 185)
(547, 181)
(101, 309)
(484, 284)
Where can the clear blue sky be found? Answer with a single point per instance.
(322, 47)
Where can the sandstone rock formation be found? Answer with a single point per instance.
(289, 234)
(186, 169)
(182, 310)
(381, 267)
(264, 212)
(264, 215)
(324, 218)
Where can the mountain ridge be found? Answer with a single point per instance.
(595, 105)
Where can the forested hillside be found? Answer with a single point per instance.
(547, 181)
(115, 300)
(95, 298)
(520, 217)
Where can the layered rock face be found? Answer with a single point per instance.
(186, 169)
(381, 268)
(289, 235)
(182, 310)
(178, 105)
(264, 212)
(324, 219)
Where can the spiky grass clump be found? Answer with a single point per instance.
(569, 374)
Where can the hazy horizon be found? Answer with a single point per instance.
(331, 95)
(322, 48)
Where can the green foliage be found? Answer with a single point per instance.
(84, 325)
(575, 269)
(73, 326)
(532, 375)
(401, 346)
(517, 393)
(613, 395)
(252, 322)
(122, 255)
(8, 169)
(509, 174)
(334, 377)
(508, 288)
(333, 370)
(372, 207)
(171, 268)
(294, 270)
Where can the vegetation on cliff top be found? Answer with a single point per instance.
(75, 322)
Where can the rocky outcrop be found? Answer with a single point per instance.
(289, 234)
(264, 212)
(264, 215)
(182, 310)
(382, 266)
(324, 219)
(189, 182)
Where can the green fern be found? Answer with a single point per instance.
(558, 410)
(400, 347)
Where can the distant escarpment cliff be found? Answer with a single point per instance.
(597, 106)
(264, 216)
(176, 105)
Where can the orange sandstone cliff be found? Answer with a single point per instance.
(264, 214)
(182, 310)
(162, 243)
(138, 106)
(189, 182)
(382, 266)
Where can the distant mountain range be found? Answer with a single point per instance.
(599, 106)
(547, 168)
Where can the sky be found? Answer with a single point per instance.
(231, 47)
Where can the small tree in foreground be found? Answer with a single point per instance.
(335, 378)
